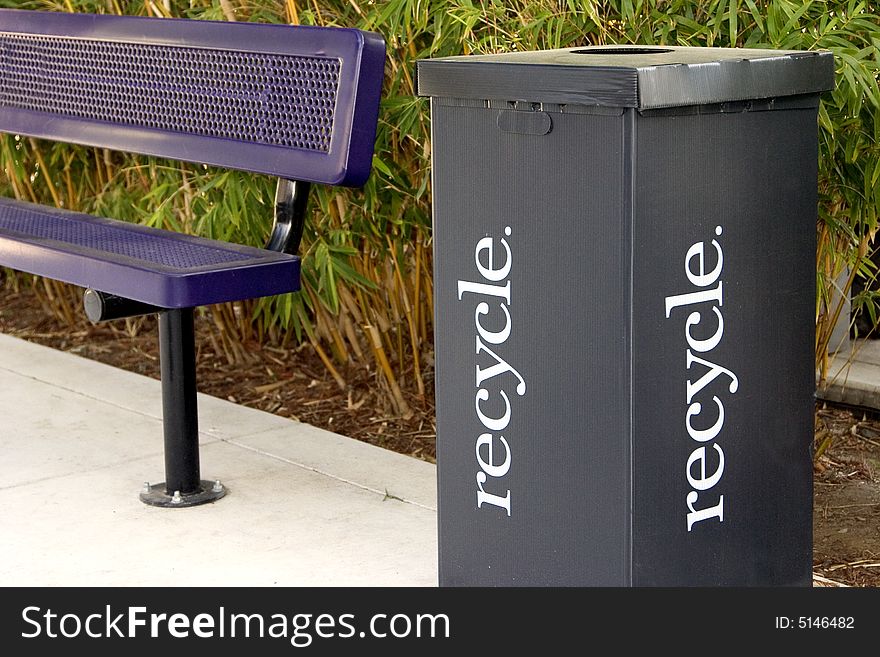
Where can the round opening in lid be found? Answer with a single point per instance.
(621, 51)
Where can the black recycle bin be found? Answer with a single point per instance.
(624, 243)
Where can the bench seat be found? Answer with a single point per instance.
(158, 267)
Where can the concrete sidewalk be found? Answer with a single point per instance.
(854, 375)
(306, 507)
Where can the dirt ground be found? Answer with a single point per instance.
(294, 383)
(846, 497)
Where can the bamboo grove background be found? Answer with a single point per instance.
(367, 260)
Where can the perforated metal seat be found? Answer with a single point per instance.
(157, 267)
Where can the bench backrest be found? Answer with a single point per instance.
(292, 101)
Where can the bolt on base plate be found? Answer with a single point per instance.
(156, 495)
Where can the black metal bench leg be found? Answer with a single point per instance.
(177, 354)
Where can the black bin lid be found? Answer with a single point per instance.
(644, 77)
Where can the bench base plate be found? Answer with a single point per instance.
(157, 495)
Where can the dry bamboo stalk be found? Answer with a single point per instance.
(413, 53)
(58, 303)
(187, 195)
(411, 324)
(269, 387)
(337, 344)
(351, 335)
(98, 172)
(213, 339)
(217, 317)
(339, 199)
(417, 285)
(320, 20)
(16, 190)
(362, 304)
(320, 324)
(30, 189)
(241, 313)
(823, 345)
(377, 312)
(108, 164)
(140, 174)
(400, 358)
(349, 303)
(292, 13)
(384, 327)
(401, 407)
(42, 164)
(429, 288)
(328, 363)
(390, 286)
(423, 328)
(68, 182)
(228, 10)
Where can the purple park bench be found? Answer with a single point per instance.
(296, 102)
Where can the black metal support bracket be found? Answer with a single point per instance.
(177, 357)
(291, 199)
(101, 306)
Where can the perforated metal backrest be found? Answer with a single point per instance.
(292, 101)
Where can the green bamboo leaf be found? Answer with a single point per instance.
(794, 20)
(876, 175)
(381, 166)
(757, 16)
(732, 13)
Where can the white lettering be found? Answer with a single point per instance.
(27, 619)
(695, 468)
(203, 626)
(494, 500)
(112, 625)
(488, 465)
(714, 372)
(178, 626)
(155, 620)
(498, 337)
(501, 366)
(94, 635)
(489, 272)
(699, 456)
(502, 291)
(489, 379)
(703, 435)
(709, 343)
(691, 298)
(493, 424)
(77, 625)
(134, 621)
(694, 516)
(701, 278)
